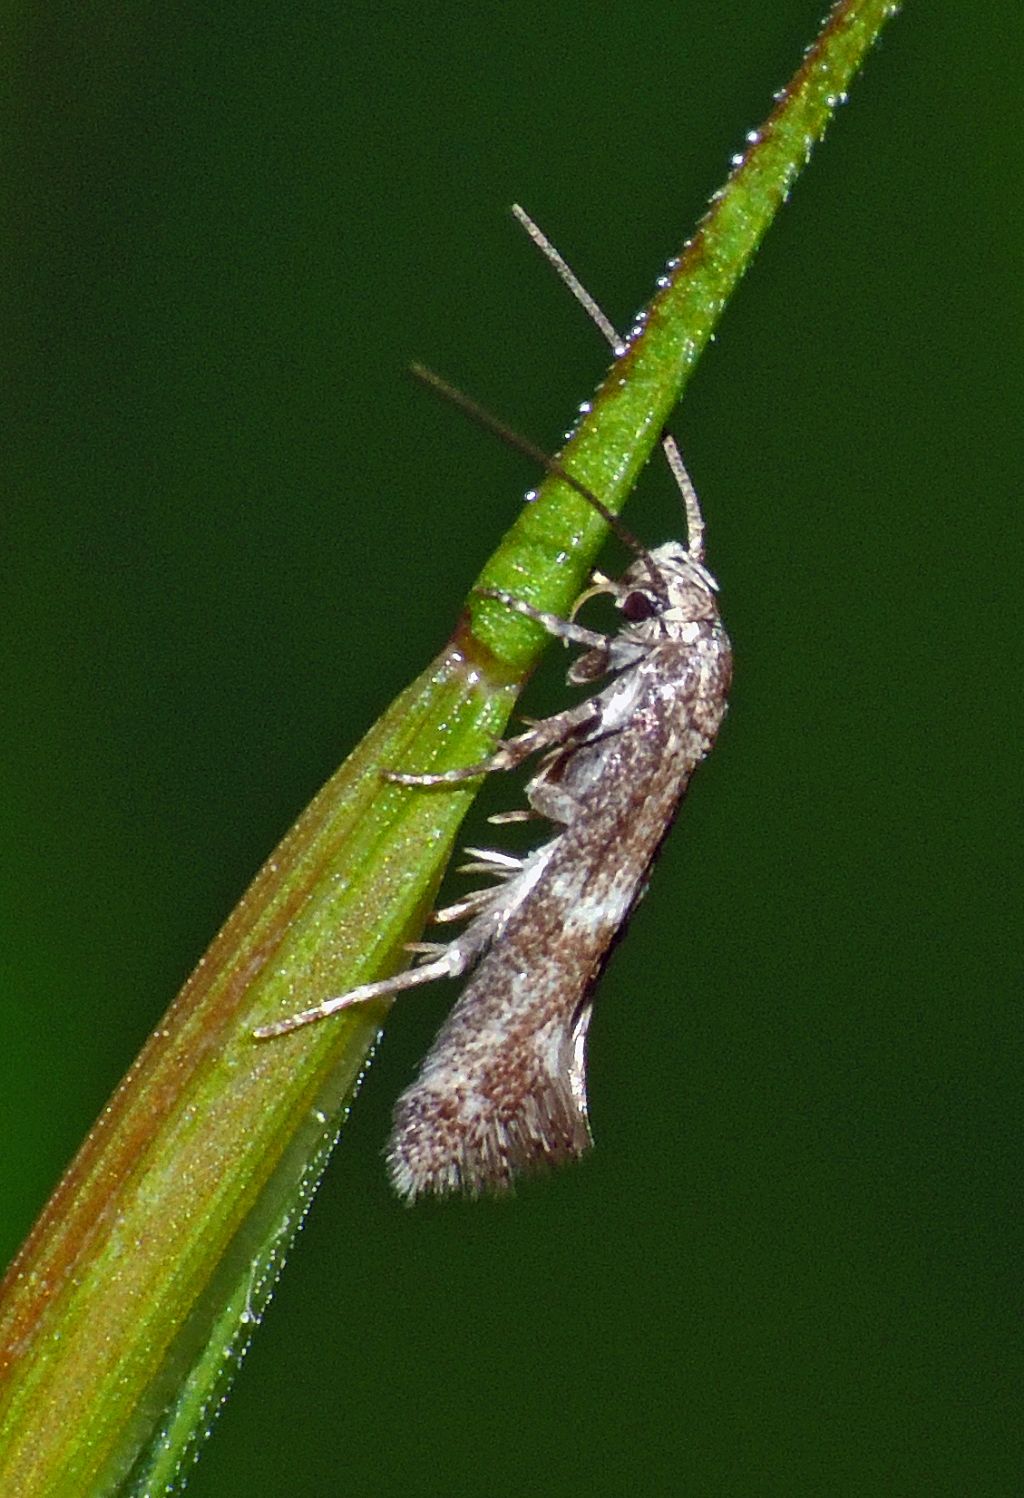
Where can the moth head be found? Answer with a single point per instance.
(670, 588)
(663, 595)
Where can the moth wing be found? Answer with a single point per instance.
(503, 1089)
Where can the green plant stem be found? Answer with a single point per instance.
(141, 1281)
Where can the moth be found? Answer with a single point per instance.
(503, 1088)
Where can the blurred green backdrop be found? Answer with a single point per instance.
(233, 529)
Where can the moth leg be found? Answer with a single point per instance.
(540, 735)
(562, 629)
(546, 734)
(439, 960)
(491, 861)
(453, 961)
(547, 793)
(553, 802)
(496, 865)
(473, 904)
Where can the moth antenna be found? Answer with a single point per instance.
(674, 458)
(529, 449)
(566, 275)
(691, 504)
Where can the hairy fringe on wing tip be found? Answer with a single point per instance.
(437, 1151)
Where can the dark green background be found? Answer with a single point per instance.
(234, 529)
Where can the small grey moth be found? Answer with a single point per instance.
(503, 1088)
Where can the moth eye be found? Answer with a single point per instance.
(638, 606)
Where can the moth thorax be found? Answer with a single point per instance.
(688, 599)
